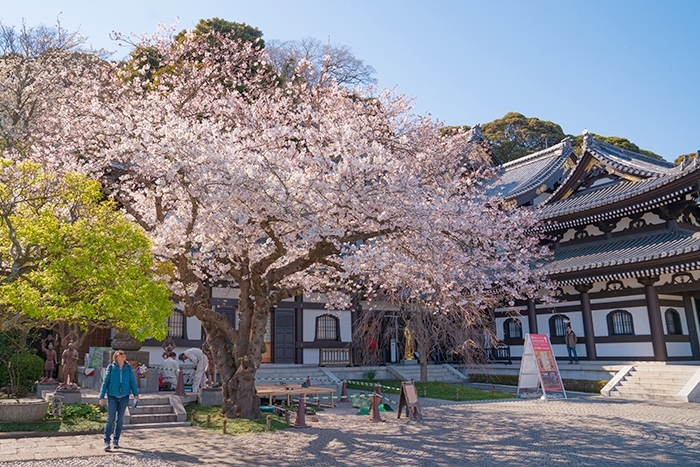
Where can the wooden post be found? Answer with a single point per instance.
(425, 392)
(269, 423)
(193, 415)
(300, 420)
(223, 426)
(208, 420)
(457, 395)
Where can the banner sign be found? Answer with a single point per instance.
(538, 367)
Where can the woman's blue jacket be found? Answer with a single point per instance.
(119, 382)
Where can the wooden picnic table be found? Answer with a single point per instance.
(292, 390)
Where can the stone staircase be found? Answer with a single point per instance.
(660, 382)
(156, 411)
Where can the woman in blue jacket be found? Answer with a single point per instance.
(119, 382)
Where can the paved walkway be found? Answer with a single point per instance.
(583, 431)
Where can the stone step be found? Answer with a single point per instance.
(646, 396)
(150, 409)
(646, 390)
(668, 369)
(153, 418)
(165, 425)
(655, 378)
(154, 400)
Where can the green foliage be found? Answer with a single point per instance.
(89, 266)
(90, 412)
(690, 156)
(580, 385)
(236, 426)
(508, 380)
(515, 135)
(370, 375)
(240, 31)
(22, 372)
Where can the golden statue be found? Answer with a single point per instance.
(409, 348)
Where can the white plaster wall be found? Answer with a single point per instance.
(622, 224)
(225, 292)
(679, 349)
(640, 320)
(311, 357)
(625, 350)
(560, 350)
(652, 218)
(194, 328)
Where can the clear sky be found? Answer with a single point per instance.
(628, 68)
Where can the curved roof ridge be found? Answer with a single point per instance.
(626, 160)
(544, 153)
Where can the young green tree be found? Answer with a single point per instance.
(68, 255)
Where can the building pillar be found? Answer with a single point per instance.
(299, 329)
(587, 314)
(692, 325)
(532, 315)
(658, 341)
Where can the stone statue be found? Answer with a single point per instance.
(51, 358)
(69, 360)
(168, 346)
(210, 371)
(409, 349)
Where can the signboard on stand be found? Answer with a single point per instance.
(538, 367)
(409, 399)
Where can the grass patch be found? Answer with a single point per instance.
(437, 390)
(74, 418)
(234, 426)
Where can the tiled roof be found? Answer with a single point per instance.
(632, 252)
(626, 161)
(531, 172)
(621, 191)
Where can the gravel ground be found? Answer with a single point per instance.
(123, 460)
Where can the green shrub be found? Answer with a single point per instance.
(25, 369)
(579, 385)
(508, 380)
(89, 412)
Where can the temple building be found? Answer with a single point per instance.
(625, 233)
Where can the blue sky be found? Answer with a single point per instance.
(627, 68)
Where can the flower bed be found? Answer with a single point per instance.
(23, 411)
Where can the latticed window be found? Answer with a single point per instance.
(512, 329)
(176, 323)
(327, 328)
(673, 322)
(620, 323)
(558, 324)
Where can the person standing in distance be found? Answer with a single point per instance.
(571, 340)
(200, 362)
(119, 382)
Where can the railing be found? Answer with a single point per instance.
(337, 357)
(499, 354)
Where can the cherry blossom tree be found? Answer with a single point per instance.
(284, 189)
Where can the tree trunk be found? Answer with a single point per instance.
(239, 359)
(423, 350)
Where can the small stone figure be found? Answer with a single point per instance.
(69, 360)
(51, 358)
